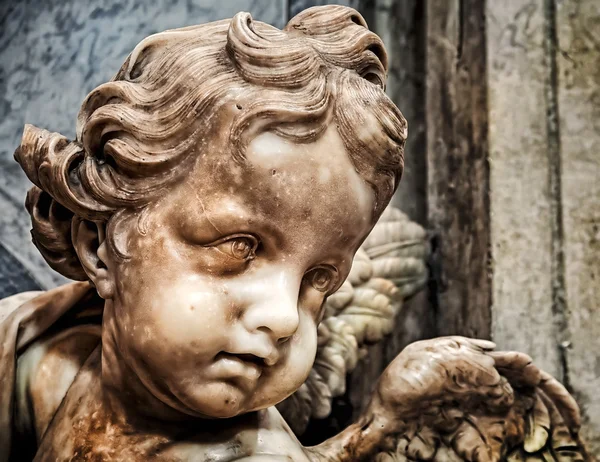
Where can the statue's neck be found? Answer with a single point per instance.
(100, 420)
(122, 389)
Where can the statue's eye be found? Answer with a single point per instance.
(321, 279)
(239, 247)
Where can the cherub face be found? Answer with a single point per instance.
(217, 308)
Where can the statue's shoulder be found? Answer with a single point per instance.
(46, 371)
(10, 304)
(45, 337)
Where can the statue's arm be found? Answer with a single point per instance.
(359, 441)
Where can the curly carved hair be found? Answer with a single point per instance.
(136, 132)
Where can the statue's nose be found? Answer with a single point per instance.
(275, 310)
(276, 317)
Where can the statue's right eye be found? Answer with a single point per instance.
(240, 247)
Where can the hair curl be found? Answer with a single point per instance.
(135, 132)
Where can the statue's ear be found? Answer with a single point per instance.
(89, 240)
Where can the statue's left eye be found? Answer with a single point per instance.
(239, 247)
(321, 279)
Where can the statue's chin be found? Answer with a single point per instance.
(227, 403)
(216, 400)
(199, 395)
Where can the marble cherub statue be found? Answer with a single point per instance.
(215, 195)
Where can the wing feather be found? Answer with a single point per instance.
(423, 445)
(522, 414)
(561, 399)
(538, 427)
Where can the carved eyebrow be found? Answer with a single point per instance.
(204, 212)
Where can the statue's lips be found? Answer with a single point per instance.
(248, 366)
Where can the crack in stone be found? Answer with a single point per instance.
(559, 301)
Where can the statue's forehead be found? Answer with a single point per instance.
(286, 166)
(311, 187)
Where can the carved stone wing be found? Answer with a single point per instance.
(464, 402)
(389, 267)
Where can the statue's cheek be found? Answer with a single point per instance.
(303, 347)
(183, 321)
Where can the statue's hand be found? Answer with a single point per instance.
(432, 373)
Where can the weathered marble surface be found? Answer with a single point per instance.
(543, 61)
(578, 99)
(521, 201)
(52, 53)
